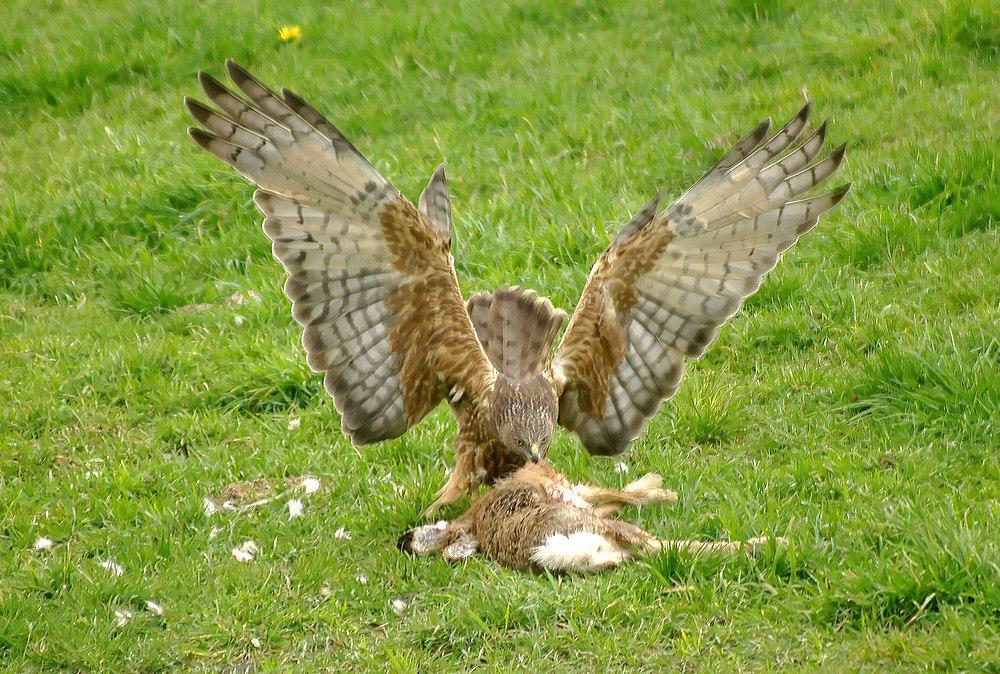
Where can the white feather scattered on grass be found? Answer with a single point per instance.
(43, 543)
(621, 467)
(112, 567)
(122, 617)
(245, 552)
(398, 605)
(397, 489)
(294, 508)
(362, 579)
(342, 534)
(212, 506)
(154, 608)
(310, 485)
(294, 423)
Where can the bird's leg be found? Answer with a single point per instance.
(461, 482)
(452, 491)
(644, 491)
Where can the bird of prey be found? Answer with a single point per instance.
(372, 282)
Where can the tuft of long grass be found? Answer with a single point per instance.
(707, 414)
(940, 564)
(951, 387)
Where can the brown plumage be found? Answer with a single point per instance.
(516, 328)
(372, 282)
(538, 520)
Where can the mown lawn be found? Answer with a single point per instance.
(852, 407)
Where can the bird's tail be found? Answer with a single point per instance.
(516, 327)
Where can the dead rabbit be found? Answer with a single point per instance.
(538, 520)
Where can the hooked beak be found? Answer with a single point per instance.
(535, 456)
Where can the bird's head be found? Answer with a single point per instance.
(525, 414)
(529, 439)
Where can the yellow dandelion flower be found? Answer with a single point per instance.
(289, 33)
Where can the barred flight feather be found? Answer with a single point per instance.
(516, 327)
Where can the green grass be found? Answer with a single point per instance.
(853, 405)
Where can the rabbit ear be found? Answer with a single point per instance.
(435, 205)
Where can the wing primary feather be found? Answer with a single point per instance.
(242, 112)
(435, 205)
(224, 127)
(642, 218)
(327, 128)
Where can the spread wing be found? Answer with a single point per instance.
(671, 278)
(370, 277)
